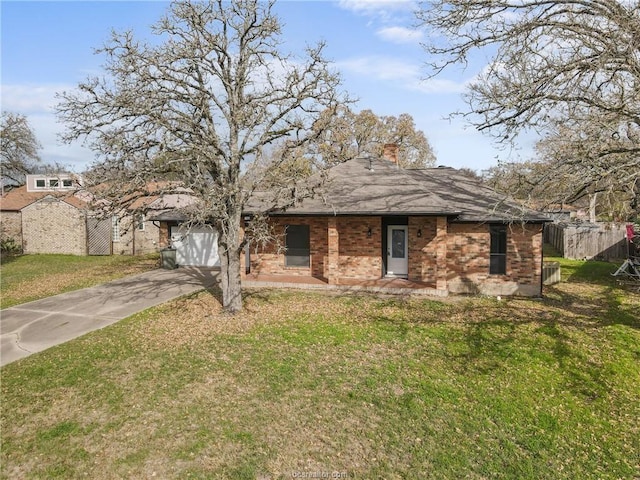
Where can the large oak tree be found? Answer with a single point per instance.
(202, 103)
(350, 134)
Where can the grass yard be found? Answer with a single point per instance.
(345, 386)
(30, 277)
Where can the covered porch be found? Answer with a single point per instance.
(396, 286)
(391, 252)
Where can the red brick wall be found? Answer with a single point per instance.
(524, 254)
(270, 260)
(360, 256)
(423, 249)
(468, 248)
(468, 251)
(447, 256)
(163, 235)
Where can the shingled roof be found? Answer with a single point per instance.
(365, 186)
(19, 198)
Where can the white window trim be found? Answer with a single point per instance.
(115, 229)
(50, 183)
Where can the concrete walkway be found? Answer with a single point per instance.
(36, 326)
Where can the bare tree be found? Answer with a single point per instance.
(588, 162)
(552, 63)
(537, 184)
(202, 104)
(352, 134)
(568, 170)
(18, 149)
(336, 143)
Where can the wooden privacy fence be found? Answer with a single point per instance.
(604, 241)
(99, 236)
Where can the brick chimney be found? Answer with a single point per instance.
(390, 152)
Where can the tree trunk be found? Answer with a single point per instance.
(230, 265)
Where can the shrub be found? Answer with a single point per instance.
(10, 246)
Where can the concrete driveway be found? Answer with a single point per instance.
(36, 326)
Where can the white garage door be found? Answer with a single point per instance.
(195, 246)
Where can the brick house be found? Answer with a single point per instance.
(434, 227)
(51, 214)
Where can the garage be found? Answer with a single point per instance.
(196, 246)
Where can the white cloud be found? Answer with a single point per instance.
(383, 68)
(27, 99)
(37, 103)
(401, 73)
(377, 7)
(400, 34)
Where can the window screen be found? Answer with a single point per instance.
(297, 244)
(498, 254)
(398, 247)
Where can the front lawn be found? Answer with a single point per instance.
(29, 277)
(346, 386)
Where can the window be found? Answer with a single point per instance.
(115, 229)
(67, 182)
(398, 243)
(297, 244)
(140, 221)
(40, 183)
(498, 253)
(53, 183)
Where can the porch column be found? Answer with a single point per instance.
(333, 242)
(441, 253)
(163, 235)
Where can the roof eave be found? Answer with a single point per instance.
(502, 220)
(357, 214)
(169, 216)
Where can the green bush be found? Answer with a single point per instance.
(10, 246)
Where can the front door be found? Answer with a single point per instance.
(397, 251)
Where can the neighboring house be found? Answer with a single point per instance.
(436, 227)
(51, 214)
(565, 213)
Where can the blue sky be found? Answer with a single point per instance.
(48, 46)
